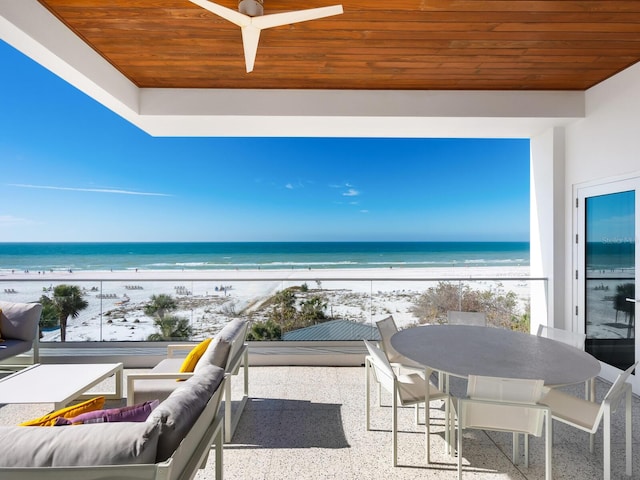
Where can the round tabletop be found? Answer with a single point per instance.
(463, 350)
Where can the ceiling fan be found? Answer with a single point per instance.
(251, 20)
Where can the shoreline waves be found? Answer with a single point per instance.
(257, 256)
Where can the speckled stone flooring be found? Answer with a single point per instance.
(309, 423)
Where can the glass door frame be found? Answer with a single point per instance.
(581, 193)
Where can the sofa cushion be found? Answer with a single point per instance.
(177, 414)
(147, 390)
(219, 349)
(19, 320)
(194, 355)
(131, 413)
(84, 445)
(49, 419)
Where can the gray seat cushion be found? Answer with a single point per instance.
(79, 445)
(149, 390)
(177, 414)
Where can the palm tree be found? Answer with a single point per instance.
(171, 328)
(68, 301)
(160, 305)
(313, 309)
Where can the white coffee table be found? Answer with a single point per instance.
(58, 384)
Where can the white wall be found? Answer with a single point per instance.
(547, 228)
(604, 145)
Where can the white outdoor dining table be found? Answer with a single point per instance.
(463, 350)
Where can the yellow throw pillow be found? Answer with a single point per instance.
(194, 355)
(49, 419)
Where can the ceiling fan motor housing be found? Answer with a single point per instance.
(252, 8)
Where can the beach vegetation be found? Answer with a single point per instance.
(229, 309)
(68, 301)
(291, 312)
(171, 327)
(160, 304)
(268, 330)
(284, 307)
(501, 308)
(313, 309)
(49, 316)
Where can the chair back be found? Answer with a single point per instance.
(570, 338)
(467, 318)
(616, 392)
(503, 404)
(381, 366)
(387, 327)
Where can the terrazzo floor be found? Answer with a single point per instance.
(309, 423)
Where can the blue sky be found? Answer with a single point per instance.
(74, 171)
(611, 218)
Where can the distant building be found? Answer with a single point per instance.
(334, 330)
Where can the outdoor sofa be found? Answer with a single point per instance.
(19, 329)
(227, 350)
(171, 444)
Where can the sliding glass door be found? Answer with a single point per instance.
(607, 261)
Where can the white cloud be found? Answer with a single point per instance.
(289, 186)
(11, 221)
(352, 192)
(92, 190)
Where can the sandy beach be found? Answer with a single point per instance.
(211, 298)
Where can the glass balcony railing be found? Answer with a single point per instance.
(301, 309)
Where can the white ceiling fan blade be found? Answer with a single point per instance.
(279, 19)
(250, 39)
(237, 18)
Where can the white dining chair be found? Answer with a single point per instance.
(505, 405)
(387, 328)
(576, 340)
(410, 389)
(467, 318)
(570, 338)
(587, 416)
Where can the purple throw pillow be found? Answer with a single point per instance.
(133, 413)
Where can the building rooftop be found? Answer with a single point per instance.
(334, 330)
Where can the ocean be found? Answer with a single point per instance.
(258, 255)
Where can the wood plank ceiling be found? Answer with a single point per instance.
(375, 44)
